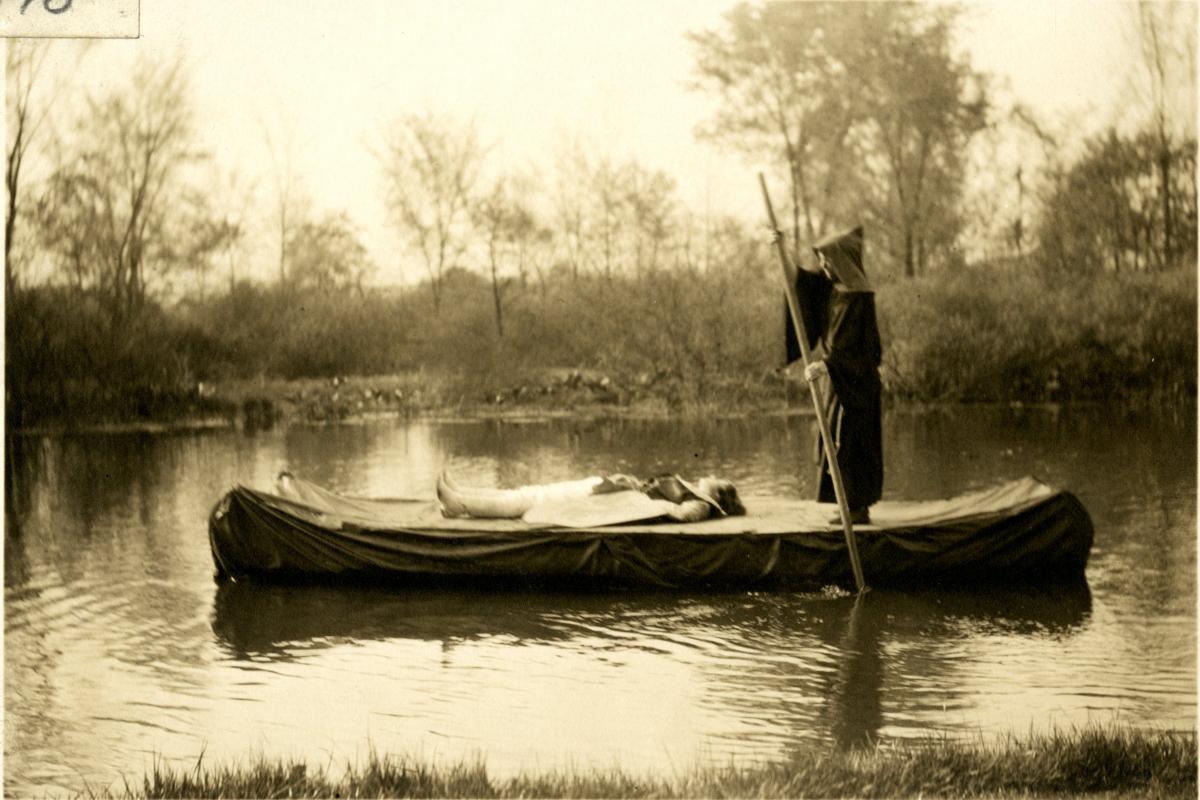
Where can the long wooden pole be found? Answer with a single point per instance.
(835, 471)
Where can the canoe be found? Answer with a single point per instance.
(1014, 533)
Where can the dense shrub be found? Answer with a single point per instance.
(65, 358)
(993, 334)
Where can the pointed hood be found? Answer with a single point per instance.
(844, 252)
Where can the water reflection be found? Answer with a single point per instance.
(115, 631)
(264, 619)
(855, 710)
(810, 667)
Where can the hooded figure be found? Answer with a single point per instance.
(838, 307)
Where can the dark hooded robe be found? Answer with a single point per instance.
(839, 318)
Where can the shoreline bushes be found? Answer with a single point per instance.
(1005, 335)
(676, 338)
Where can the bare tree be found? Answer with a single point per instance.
(431, 166)
(538, 253)
(1165, 35)
(234, 198)
(571, 204)
(24, 59)
(326, 255)
(508, 227)
(216, 210)
(649, 202)
(114, 210)
(608, 215)
(491, 214)
(212, 235)
(291, 205)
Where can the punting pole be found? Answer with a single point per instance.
(835, 471)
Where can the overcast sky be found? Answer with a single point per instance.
(612, 73)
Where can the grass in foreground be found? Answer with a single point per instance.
(1108, 761)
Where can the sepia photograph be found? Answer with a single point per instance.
(582, 398)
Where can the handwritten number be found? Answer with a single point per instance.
(49, 5)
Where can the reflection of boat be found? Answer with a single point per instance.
(1020, 532)
(266, 618)
(252, 617)
(818, 666)
(872, 620)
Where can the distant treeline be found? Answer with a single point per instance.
(1070, 274)
(680, 339)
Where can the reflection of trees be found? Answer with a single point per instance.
(763, 456)
(101, 570)
(336, 456)
(99, 476)
(749, 452)
(102, 516)
(1134, 470)
(24, 468)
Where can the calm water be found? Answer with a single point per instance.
(120, 649)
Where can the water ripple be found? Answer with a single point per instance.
(114, 631)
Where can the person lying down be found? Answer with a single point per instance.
(607, 500)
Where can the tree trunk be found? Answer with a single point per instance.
(909, 270)
(496, 292)
(607, 254)
(10, 222)
(282, 249)
(1164, 168)
(800, 200)
(8, 271)
(435, 277)
(499, 306)
(435, 288)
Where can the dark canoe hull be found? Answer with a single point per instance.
(1019, 532)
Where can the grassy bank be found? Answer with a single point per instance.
(1097, 761)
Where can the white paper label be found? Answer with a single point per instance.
(70, 19)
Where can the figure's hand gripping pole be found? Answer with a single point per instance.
(797, 316)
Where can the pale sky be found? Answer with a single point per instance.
(531, 74)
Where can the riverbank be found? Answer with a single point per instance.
(1100, 761)
(264, 355)
(261, 404)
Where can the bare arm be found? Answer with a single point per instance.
(690, 511)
